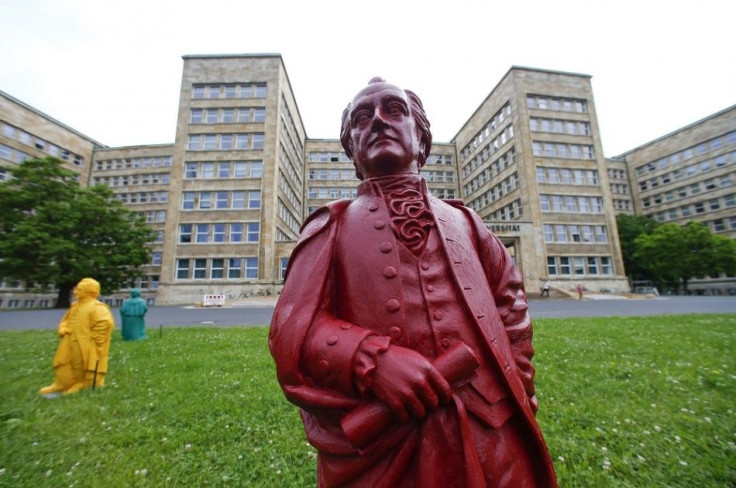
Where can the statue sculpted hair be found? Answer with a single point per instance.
(417, 112)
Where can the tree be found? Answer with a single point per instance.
(53, 232)
(629, 228)
(676, 254)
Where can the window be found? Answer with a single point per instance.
(200, 269)
(606, 265)
(254, 199)
(185, 233)
(217, 269)
(236, 232)
(592, 265)
(564, 265)
(575, 233)
(182, 269)
(228, 115)
(551, 266)
(243, 115)
(221, 199)
(194, 143)
(208, 170)
(251, 267)
(257, 141)
(196, 116)
(241, 141)
(284, 266)
(187, 200)
(213, 91)
(238, 200)
(156, 258)
(226, 142)
(600, 233)
(205, 200)
(198, 91)
(261, 90)
(560, 233)
(259, 115)
(212, 115)
(578, 265)
(223, 170)
(210, 142)
(548, 233)
(203, 233)
(254, 232)
(218, 232)
(234, 268)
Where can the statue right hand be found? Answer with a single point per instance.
(64, 331)
(407, 383)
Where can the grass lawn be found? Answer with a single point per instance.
(626, 402)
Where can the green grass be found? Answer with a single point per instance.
(626, 402)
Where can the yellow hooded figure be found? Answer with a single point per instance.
(85, 332)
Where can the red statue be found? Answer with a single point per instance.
(402, 330)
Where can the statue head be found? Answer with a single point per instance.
(385, 131)
(135, 293)
(87, 288)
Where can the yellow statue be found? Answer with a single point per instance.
(85, 332)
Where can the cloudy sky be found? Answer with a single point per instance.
(112, 69)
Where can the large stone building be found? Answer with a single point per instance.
(227, 198)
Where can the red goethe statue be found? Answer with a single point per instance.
(402, 330)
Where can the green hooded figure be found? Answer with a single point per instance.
(132, 314)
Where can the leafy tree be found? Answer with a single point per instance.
(53, 232)
(629, 228)
(676, 254)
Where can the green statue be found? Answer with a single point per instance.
(132, 314)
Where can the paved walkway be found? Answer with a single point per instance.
(258, 311)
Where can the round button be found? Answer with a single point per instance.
(389, 272)
(394, 332)
(345, 326)
(373, 207)
(323, 366)
(445, 343)
(438, 315)
(430, 287)
(393, 305)
(332, 340)
(385, 247)
(425, 266)
(379, 224)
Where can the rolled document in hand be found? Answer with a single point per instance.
(366, 422)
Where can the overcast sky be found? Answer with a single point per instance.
(112, 69)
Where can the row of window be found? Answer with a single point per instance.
(289, 218)
(562, 150)
(559, 126)
(219, 233)
(624, 205)
(439, 176)
(688, 153)
(332, 193)
(558, 104)
(689, 171)
(616, 174)
(570, 204)
(217, 268)
(152, 216)
(223, 169)
(285, 161)
(40, 144)
(685, 191)
(143, 197)
(27, 303)
(440, 159)
(567, 176)
(489, 149)
(286, 188)
(221, 200)
(328, 157)
(133, 180)
(579, 265)
(13, 154)
(512, 211)
(332, 174)
(232, 90)
(443, 193)
(283, 236)
(563, 233)
(487, 130)
(620, 189)
(498, 191)
(229, 115)
(225, 142)
(719, 225)
(130, 163)
(697, 208)
(496, 167)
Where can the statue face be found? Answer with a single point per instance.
(383, 134)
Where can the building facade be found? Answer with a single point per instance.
(228, 197)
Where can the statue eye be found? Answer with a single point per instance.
(396, 108)
(361, 116)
